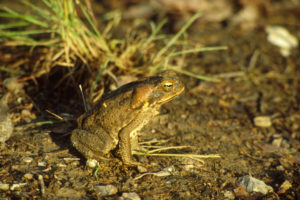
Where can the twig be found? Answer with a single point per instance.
(253, 60)
(179, 155)
(42, 183)
(83, 98)
(55, 115)
(168, 148)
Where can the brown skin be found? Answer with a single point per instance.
(115, 119)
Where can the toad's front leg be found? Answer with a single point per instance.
(125, 146)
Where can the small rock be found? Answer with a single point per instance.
(262, 121)
(13, 85)
(27, 115)
(189, 167)
(267, 164)
(6, 126)
(105, 190)
(130, 196)
(61, 165)
(4, 186)
(42, 164)
(282, 38)
(252, 184)
(142, 169)
(229, 195)
(240, 192)
(92, 163)
(280, 168)
(162, 173)
(27, 159)
(277, 142)
(28, 176)
(284, 187)
(68, 193)
(169, 169)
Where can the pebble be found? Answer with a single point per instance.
(105, 190)
(252, 184)
(28, 176)
(277, 142)
(142, 169)
(4, 186)
(262, 121)
(169, 169)
(162, 173)
(61, 165)
(281, 37)
(267, 164)
(27, 115)
(27, 159)
(189, 167)
(13, 85)
(91, 163)
(229, 195)
(42, 164)
(280, 168)
(284, 187)
(6, 126)
(130, 196)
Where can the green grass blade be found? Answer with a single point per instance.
(7, 15)
(198, 50)
(14, 25)
(21, 33)
(175, 38)
(205, 78)
(42, 12)
(29, 18)
(95, 29)
(154, 32)
(99, 75)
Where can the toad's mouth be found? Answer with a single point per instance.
(169, 98)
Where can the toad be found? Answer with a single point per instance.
(116, 118)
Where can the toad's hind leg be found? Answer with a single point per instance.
(92, 144)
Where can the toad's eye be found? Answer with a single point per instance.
(167, 85)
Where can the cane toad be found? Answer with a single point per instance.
(115, 119)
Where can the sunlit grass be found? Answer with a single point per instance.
(56, 24)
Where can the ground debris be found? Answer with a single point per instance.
(282, 38)
(284, 187)
(4, 186)
(252, 184)
(105, 190)
(167, 171)
(262, 121)
(130, 196)
(6, 126)
(12, 187)
(229, 195)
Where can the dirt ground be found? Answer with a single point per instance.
(211, 117)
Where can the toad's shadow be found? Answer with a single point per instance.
(61, 135)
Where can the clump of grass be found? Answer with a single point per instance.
(159, 61)
(57, 26)
(54, 24)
